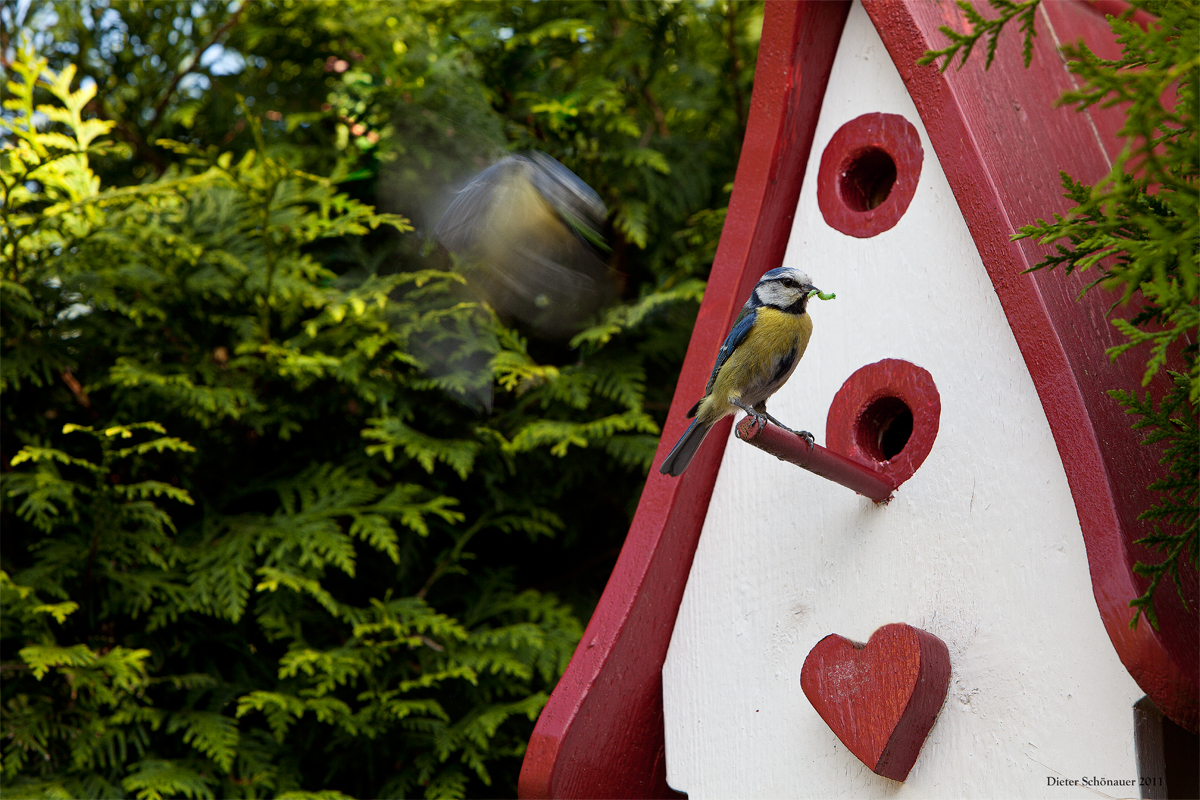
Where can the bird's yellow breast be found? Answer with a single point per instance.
(750, 372)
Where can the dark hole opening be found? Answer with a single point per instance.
(884, 427)
(868, 179)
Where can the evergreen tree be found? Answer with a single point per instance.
(287, 512)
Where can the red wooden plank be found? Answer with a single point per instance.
(601, 733)
(1001, 142)
(1070, 23)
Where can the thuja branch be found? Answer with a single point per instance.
(961, 44)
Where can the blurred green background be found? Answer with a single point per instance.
(286, 511)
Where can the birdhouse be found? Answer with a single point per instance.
(958, 618)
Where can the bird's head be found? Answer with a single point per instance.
(785, 288)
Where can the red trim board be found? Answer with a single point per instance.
(601, 733)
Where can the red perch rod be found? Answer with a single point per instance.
(816, 459)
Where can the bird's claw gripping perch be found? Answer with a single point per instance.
(805, 435)
(762, 417)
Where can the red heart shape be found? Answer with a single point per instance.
(881, 698)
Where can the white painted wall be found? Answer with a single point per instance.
(981, 547)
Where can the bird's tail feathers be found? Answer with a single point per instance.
(681, 454)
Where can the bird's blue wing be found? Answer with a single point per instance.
(741, 329)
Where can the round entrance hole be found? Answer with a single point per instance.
(869, 174)
(885, 417)
(867, 179)
(883, 428)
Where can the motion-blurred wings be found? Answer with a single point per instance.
(523, 230)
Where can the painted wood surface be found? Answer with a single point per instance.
(601, 733)
(880, 698)
(855, 215)
(1002, 144)
(981, 547)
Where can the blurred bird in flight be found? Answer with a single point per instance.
(525, 231)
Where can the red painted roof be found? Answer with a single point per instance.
(601, 733)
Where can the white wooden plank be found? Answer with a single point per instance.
(981, 547)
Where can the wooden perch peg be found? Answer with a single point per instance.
(789, 447)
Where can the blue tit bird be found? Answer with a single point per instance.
(758, 356)
(525, 230)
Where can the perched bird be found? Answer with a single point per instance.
(758, 356)
(524, 231)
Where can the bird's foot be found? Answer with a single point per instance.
(805, 435)
(762, 417)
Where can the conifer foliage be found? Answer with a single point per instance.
(288, 511)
